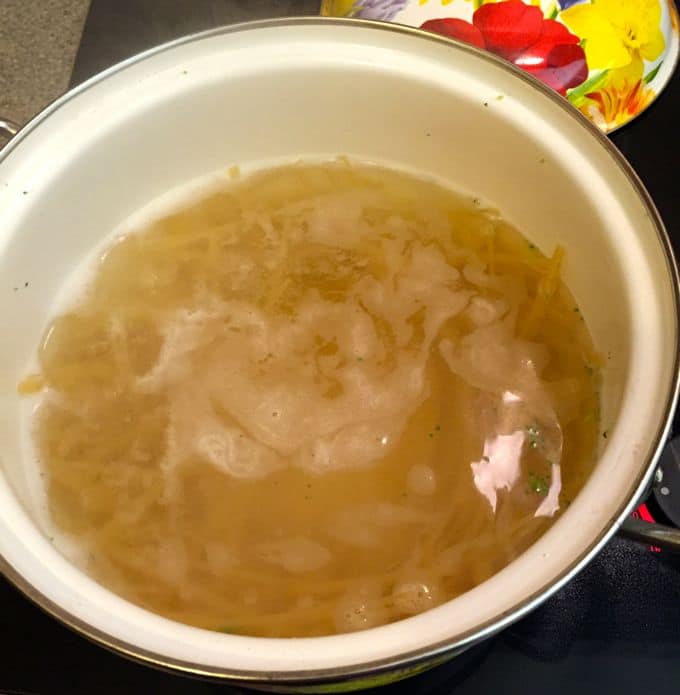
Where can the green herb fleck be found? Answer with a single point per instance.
(605, 434)
(532, 247)
(592, 415)
(538, 484)
(437, 428)
(534, 436)
(652, 73)
(500, 97)
(577, 310)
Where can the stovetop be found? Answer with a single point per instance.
(614, 629)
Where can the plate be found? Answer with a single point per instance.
(609, 58)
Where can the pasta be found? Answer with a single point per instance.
(322, 398)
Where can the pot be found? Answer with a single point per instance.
(284, 90)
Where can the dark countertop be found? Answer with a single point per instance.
(38, 43)
(614, 629)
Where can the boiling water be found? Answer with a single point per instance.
(322, 398)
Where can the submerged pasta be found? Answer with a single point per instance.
(323, 398)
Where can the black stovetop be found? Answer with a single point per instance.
(614, 629)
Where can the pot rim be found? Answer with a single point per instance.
(521, 608)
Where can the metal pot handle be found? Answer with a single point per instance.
(665, 490)
(664, 537)
(8, 128)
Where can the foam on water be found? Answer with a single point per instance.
(231, 449)
(300, 375)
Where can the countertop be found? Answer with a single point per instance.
(38, 44)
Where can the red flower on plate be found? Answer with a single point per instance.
(519, 33)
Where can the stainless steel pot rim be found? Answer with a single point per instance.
(414, 657)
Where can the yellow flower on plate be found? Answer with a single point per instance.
(616, 103)
(617, 32)
(336, 8)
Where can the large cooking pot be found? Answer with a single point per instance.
(306, 87)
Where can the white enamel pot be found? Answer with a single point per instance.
(308, 87)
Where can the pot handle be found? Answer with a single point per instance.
(666, 487)
(8, 128)
(664, 537)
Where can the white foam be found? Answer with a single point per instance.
(499, 467)
(508, 370)
(255, 441)
(296, 555)
(262, 371)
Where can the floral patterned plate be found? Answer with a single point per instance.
(609, 58)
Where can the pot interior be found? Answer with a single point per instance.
(310, 89)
